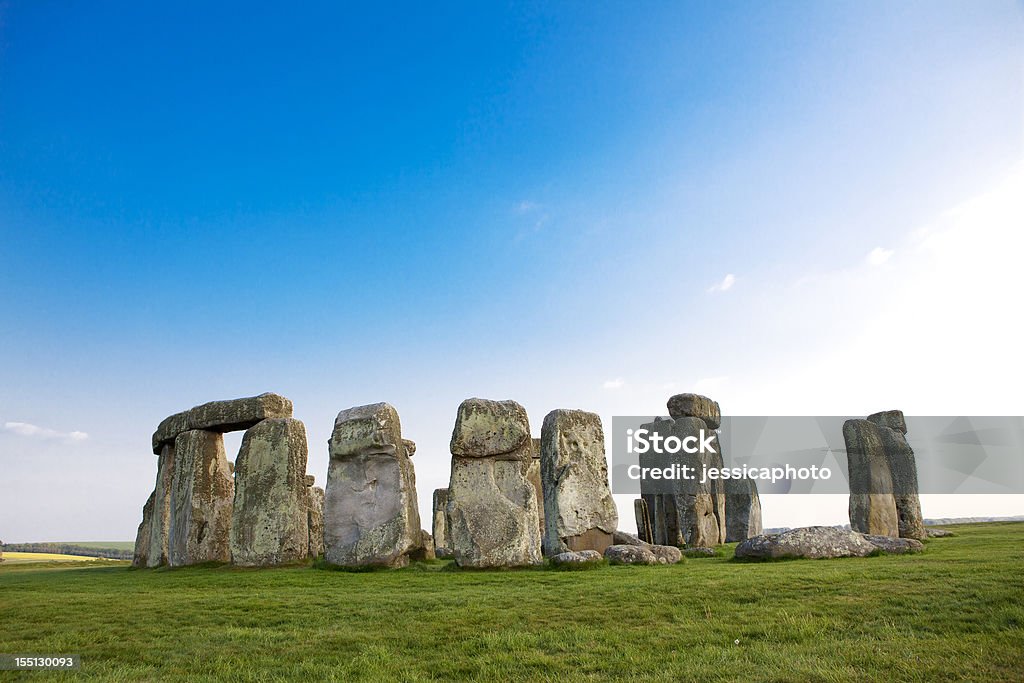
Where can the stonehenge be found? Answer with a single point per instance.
(493, 517)
(511, 499)
(579, 510)
(884, 498)
(371, 517)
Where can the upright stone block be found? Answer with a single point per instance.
(142, 539)
(903, 467)
(440, 520)
(872, 504)
(370, 512)
(270, 523)
(160, 529)
(579, 510)
(742, 510)
(201, 500)
(643, 521)
(534, 477)
(493, 517)
(315, 520)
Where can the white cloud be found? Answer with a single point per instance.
(526, 206)
(35, 432)
(878, 256)
(725, 285)
(616, 383)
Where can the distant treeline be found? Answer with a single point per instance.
(67, 549)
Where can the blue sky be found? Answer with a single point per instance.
(530, 201)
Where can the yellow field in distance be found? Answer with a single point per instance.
(20, 558)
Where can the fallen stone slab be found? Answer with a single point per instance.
(222, 416)
(895, 546)
(577, 557)
(629, 554)
(666, 554)
(814, 542)
(939, 533)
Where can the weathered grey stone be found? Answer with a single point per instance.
(534, 477)
(315, 520)
(643, 521)
(623, 538)
(694, 514)
(425, 548)
(440, 519)
(938, 533)
(370, 512)
(579, 511)
(698, 553)
(492, 512)
(717, 487)
(903, 468)
(160, 529)
(270, 519)
(895, 546)
(629, 554)
(695, 405)
(443, 553)
(815, 542)
(893, 419)
(222, 416)
(486, 428)
(577, 557)
(309, 480)
(666, 554)
(872, 505)
(201, 500)
(410, 447)
(742, 510)
(142, 539)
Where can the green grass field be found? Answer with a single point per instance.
(954, 612)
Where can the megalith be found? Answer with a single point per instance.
(872, 504)
(534, 477)
(270, 522)
(903, 470)
(315, 517)
(695, 405)
(742, 510)
(439, 521)
(140, 558)
(370, 512)
(643, 521)
(686, 510)
(160, 529)
(579, 511)
(493, 516)
(201, 500)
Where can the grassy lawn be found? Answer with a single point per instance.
(954, 612)
(22, 558)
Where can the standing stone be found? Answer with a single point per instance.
(270, 521)
(579, 510)
(142, 538)
(533, 475)
(742, 510)
(643, 521)
(160, 529)
(690, 513)
(717, 486)
(370, 512)
(201, 500)
(903, 468)
(872, 504)
(315, 520)
(493, 517)
(695, 405)
(440, 521)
